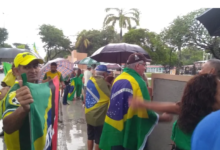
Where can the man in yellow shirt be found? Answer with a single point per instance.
(53, 73)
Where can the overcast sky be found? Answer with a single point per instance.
(22, 18)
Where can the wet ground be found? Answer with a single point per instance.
(72, 132)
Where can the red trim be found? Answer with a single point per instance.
(56, 101)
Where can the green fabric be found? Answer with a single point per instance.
(6, 67)
(79, 86)
(45, 76)
(72, 90)
(61, 78)
(88, 61)
(135, 130)
(181, 139)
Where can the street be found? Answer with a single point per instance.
(72, 132)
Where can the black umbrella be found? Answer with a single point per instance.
(211, 20)
(118, 53)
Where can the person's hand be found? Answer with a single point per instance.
(48, 78)
(136, 103)
(24, 97)
(166, 117)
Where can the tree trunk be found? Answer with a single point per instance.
(121, 35)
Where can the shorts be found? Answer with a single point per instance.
(94, 133)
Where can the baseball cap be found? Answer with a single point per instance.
(25, 58)
(136, 57)
(206, 136)
(102, 68)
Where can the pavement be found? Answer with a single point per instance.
(72, 131)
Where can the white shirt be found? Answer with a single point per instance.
(87, 75)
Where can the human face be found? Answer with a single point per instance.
(207, 68)
(140, 68)
(31, 70)
(53, 68)
(217, 96)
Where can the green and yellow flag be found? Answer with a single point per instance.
(7, 67)
(97, 100)
(72, 89)
(35, 49)
(125, 126)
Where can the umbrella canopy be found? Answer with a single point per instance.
(88, 61)
(76, 62)
(8, 54)
(210, 19)
(63, 66)
(118, 53)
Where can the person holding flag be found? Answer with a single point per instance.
(96, 104)
(17, 103)
(126, 128)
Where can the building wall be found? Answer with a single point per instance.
(166, 88)
(77, 56)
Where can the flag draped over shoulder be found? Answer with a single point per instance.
(44, 114)
(6, 67)
(97, 100)
(72, 89)
(124, 126)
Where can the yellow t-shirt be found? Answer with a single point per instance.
(53, 75)
(9, 78)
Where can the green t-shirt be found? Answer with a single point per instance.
(181, 139)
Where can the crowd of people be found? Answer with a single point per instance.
(119, 112)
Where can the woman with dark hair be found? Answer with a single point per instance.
(201, 97)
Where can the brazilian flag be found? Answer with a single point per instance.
(72, 89)
(123, 125)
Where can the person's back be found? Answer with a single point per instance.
(87, 75)
(96, 105)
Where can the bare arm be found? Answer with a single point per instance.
(14, 121)
(168, 107)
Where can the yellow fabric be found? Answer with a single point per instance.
(24, 59)
(9, 78)
(141, 113)
(40, 142)
(12, 140)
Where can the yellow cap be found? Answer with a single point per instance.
(25, 58)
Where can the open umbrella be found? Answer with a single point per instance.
(112, 66)
(63, 66)
(88, 61)
(118, 53)
(211, 20)
(8, 54)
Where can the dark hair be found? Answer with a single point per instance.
(197, 101)
(53, 64)
(79, 72)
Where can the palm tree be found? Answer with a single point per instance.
(123, 17)
(82, 42)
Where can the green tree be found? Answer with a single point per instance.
(151, 42)
(123, 17)
(54, 40)
(190, 55)
(5, 46)
(96, 39)
(3, 36)
(82, 42)
(21, 46)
